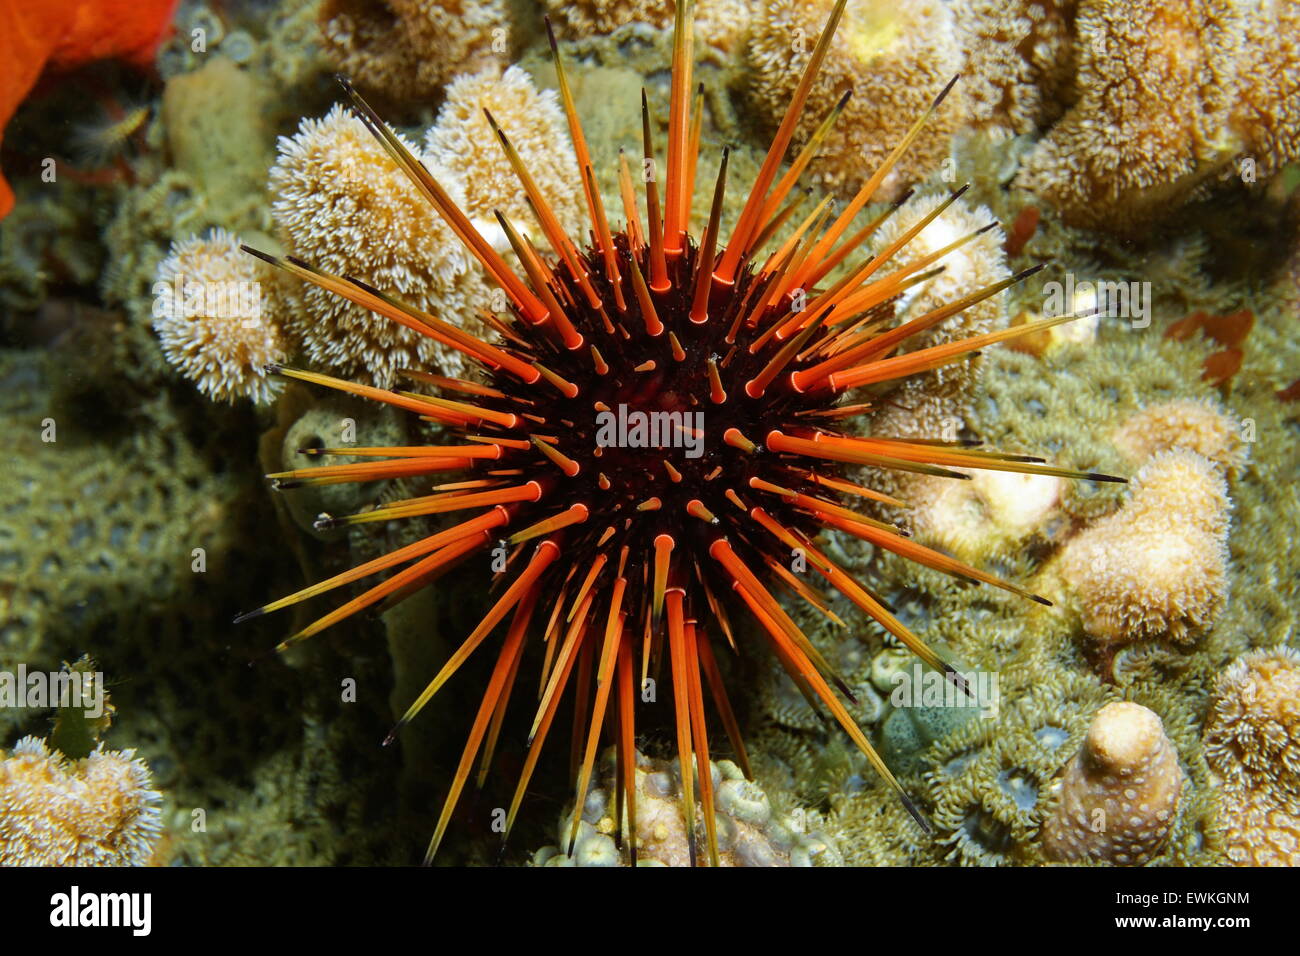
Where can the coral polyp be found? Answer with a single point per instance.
(657, 437)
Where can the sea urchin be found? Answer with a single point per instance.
(657, 434)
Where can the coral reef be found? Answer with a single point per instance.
(1120, 793)
(211, 321)
(1252, 741)
(896, 57)
(341, 204)
(407, 49)
(1157, 567)
(98, 811)
(751, 832)
(1071, 116)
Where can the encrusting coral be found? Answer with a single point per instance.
(895, 56)
(751, 832)
(407, 49)
(1170, 95)
(1252, 741)
(98, 811)
(1157, 567)
(1019, 60)
(212, 322)
(462, 143)
(1120, 793)
(341, 203)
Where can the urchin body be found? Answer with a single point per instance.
(634, 549)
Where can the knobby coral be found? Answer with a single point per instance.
(1158, 566)
(1120, 793)
(751, 832)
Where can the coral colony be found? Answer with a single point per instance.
(621, 554)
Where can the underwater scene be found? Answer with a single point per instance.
(544, 433)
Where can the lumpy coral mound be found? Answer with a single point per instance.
(1198, 426)
(1157, 567)
(98, 811)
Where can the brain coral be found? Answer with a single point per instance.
(407, 49)
(750, 831)
(343, 205)
(1252, 741)
(896, 56)
(211, 321)
(1120, 793)
(462, 143)
(98, 811)
(1158, 566)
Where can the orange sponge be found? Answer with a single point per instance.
(63, 34)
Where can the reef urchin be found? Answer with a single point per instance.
(658, 433)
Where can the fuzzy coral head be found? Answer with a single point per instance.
(212, 321)
(1252, 735)
(462, 143)
(342, 204)
(1019, 60)
(99, 811)
(1120, 793)
(1158, 566)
